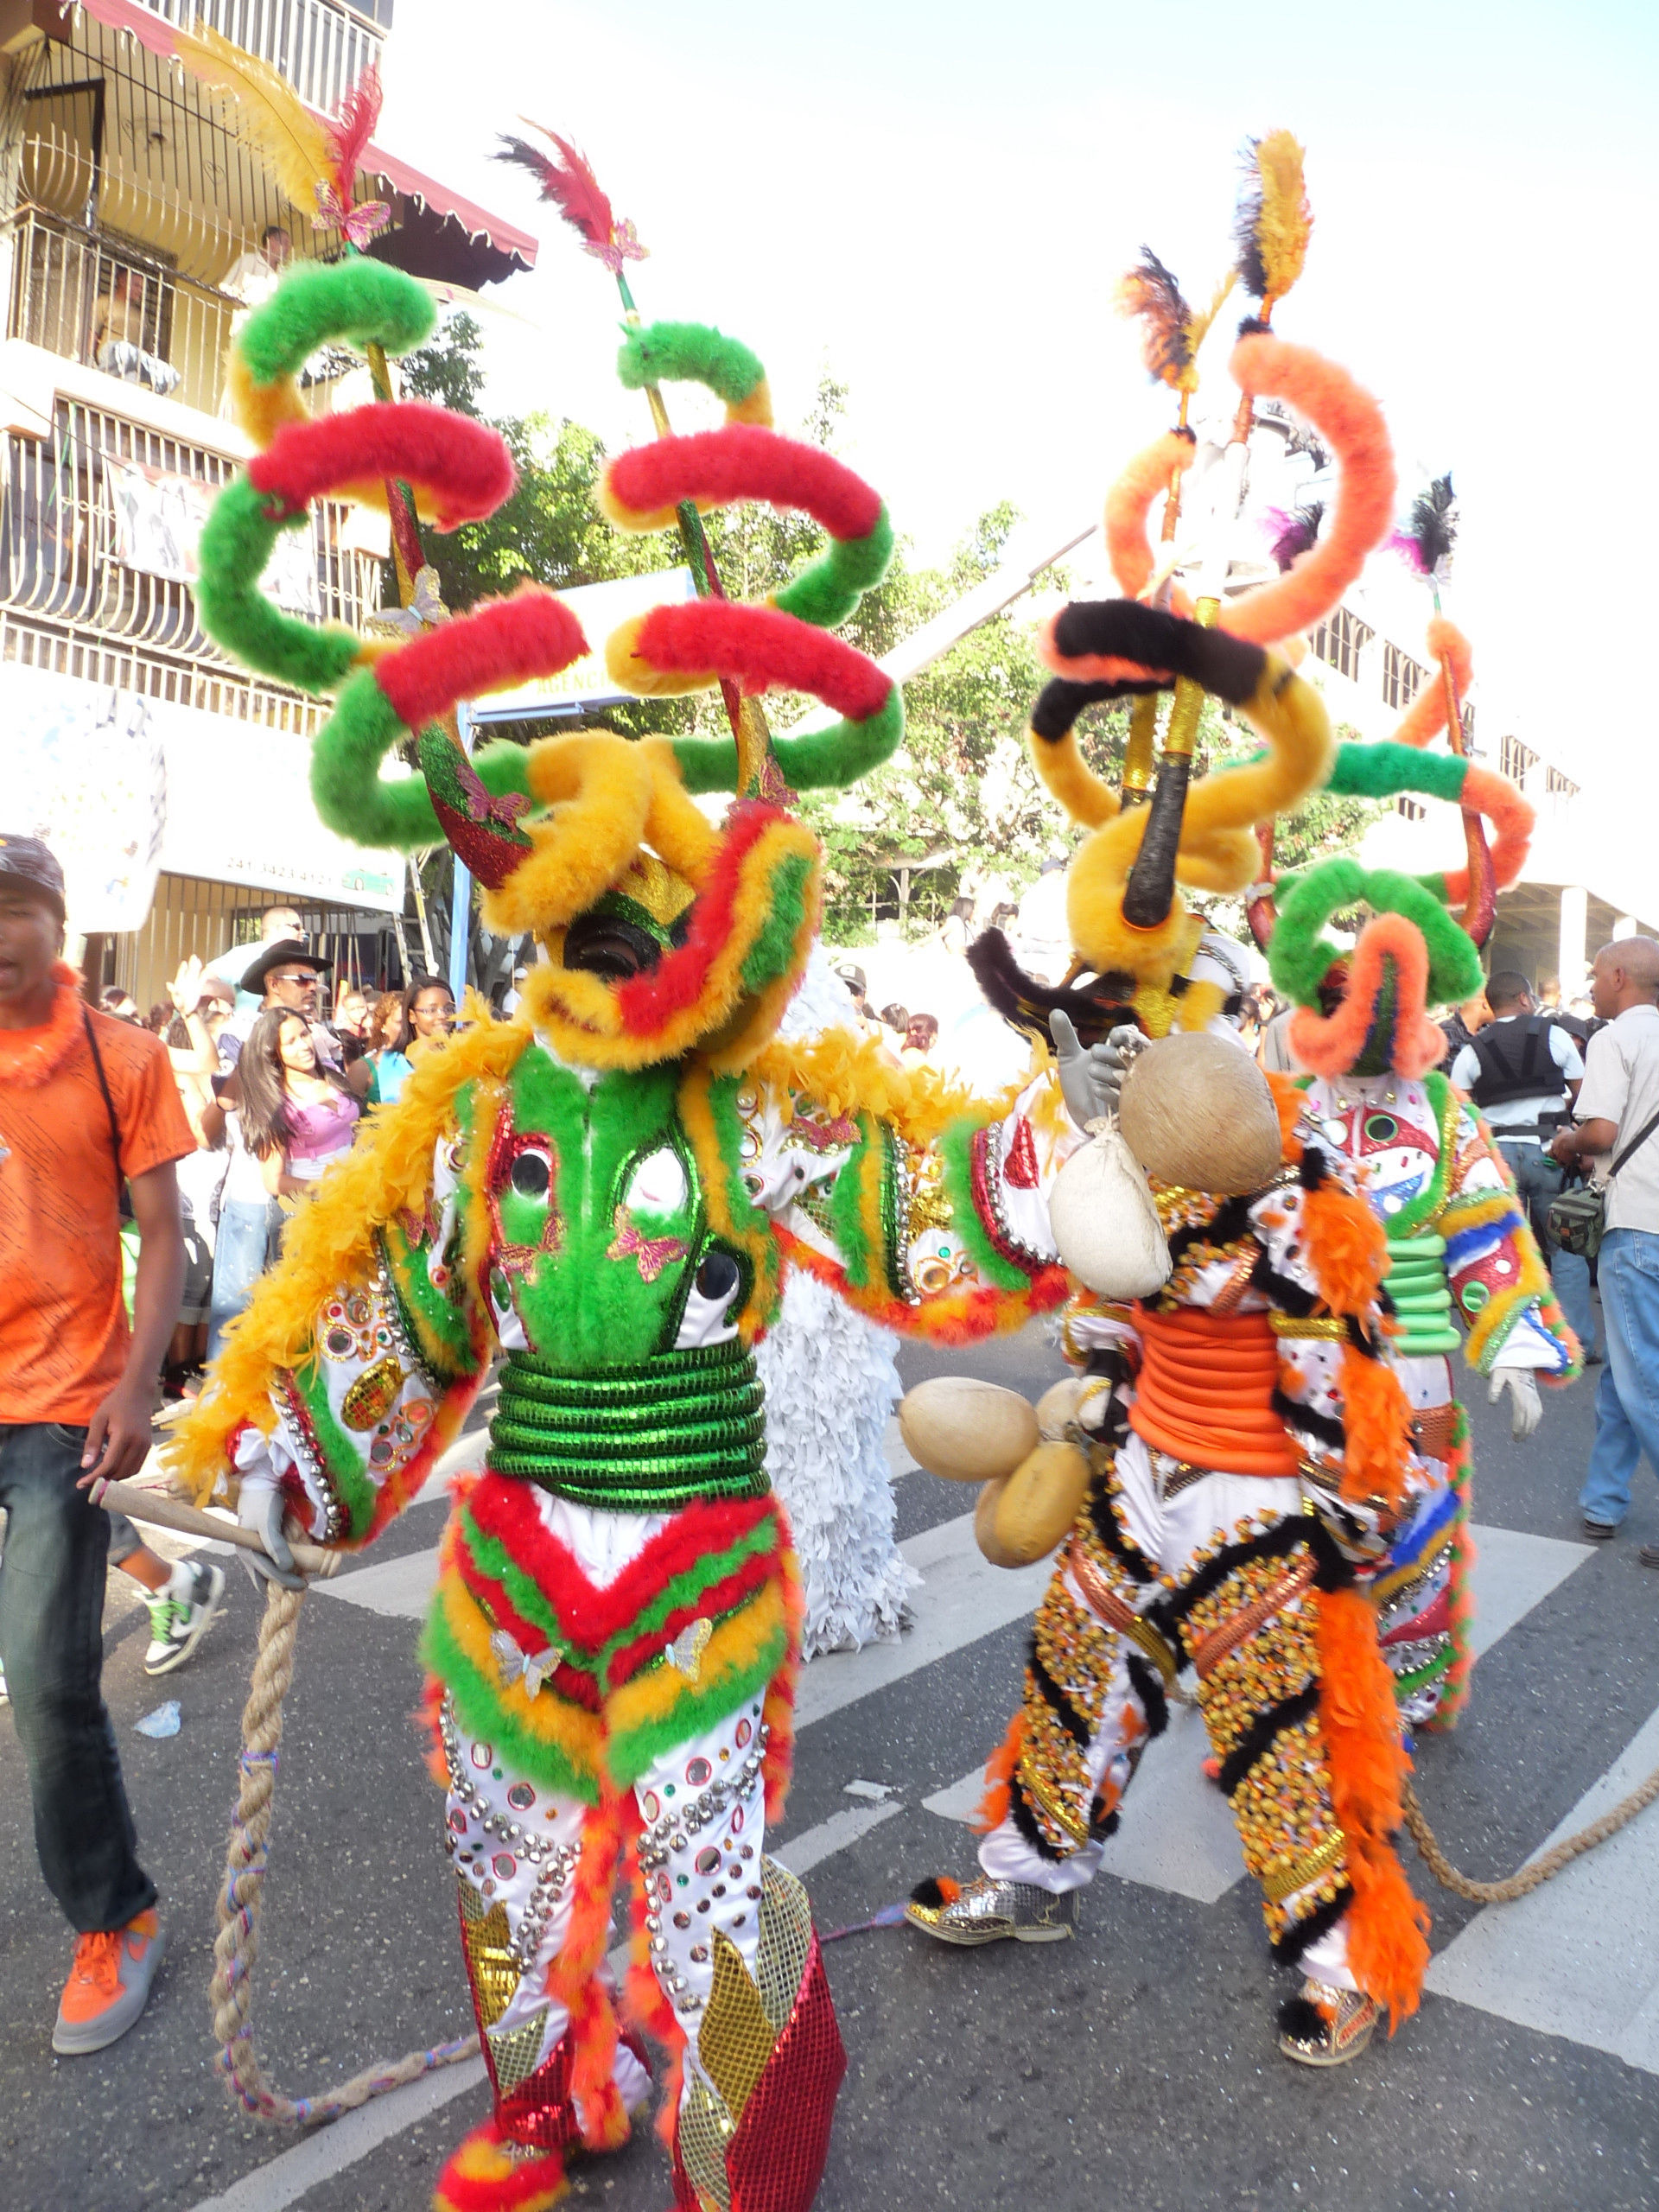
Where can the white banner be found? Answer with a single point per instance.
(87, 774)
(158, 523)
(121, 785)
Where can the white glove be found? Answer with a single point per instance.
(260, 1506)
(1526, 1407)
(1091, 1080)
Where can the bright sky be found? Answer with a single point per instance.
(938, 200)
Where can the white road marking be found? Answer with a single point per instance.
(1580, 1956)
(284, 2179)
(803, 1852)
(1178, 1833)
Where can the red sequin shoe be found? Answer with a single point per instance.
(488, 2172)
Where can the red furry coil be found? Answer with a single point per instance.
(502, 641)
(758, 647)
(743, 461)
(465, 466)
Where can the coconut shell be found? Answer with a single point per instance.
(1057, 1409)
(985, 1526)
(966, 1430)
(1106, 1227)
(1196, 1110)
(1039, 1502)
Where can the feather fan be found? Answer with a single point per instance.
(1430, 537)
(351, 129)
(1294, 531)
(1274, 218)
(268, 116)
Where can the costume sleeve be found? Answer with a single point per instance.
(934, 1226)
(1500, 1283)
(392, 1343)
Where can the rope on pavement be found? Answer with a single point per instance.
(1528, 1878)
(236, 1948)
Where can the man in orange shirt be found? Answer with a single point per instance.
(85, 1102)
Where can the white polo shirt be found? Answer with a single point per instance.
(1621, 1084)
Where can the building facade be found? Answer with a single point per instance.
(173, 782)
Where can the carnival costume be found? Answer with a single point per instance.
(1459, 1246)
(1239, 1440)
(608, 1193)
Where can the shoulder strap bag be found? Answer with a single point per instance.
(1577, 1219)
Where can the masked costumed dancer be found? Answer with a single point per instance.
(1239, 1440)
(1459, 1242)
(608, 1193)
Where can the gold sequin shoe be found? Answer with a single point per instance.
(986, 1910)
(1325, 2026)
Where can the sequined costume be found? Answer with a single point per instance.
(605, 1195)
(1460, 1249)
(1242, 1474)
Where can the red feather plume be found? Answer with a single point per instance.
(574, 188)
(350, 132)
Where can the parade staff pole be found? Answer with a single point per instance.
(567, 181)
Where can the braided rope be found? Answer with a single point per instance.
(1527, 1879)
(236, 1948)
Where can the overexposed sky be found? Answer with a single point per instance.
(938, 201)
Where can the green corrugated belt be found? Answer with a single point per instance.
(1417, 1284)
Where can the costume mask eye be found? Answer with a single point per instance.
(658, 1184)
(531, 1173)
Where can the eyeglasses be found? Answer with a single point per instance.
(305, 975)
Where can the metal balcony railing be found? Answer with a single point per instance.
(91, 298)
(98, 528)
(319, 46)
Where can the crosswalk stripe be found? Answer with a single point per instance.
(1580, 1956)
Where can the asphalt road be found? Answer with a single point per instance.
(1133, 2067)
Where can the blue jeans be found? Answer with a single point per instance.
(239, 1252)
(1538, 1179)
(1627, 1398)
(52, 1645)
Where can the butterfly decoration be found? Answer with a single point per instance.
(360, 223)
(623, 244)
(686, 1651)
(512, 1664)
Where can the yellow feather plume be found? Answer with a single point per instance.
(270, 118)
(1274, 218)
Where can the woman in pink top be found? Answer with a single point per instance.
(296, 1114)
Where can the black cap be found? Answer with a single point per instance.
(286, 950)
(29, 862)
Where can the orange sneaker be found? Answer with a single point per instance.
(109, 1984)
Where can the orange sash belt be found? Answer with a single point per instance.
(1205, 1392)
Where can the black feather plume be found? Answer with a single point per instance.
(1430, 535)
(1295, 532)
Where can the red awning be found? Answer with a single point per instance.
(508, 246)
(506, 238)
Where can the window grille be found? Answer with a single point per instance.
(1402, 677)
(1340, 640)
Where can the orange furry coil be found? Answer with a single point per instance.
(1329, 1045)
(1426, 716)
(1151, 471)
